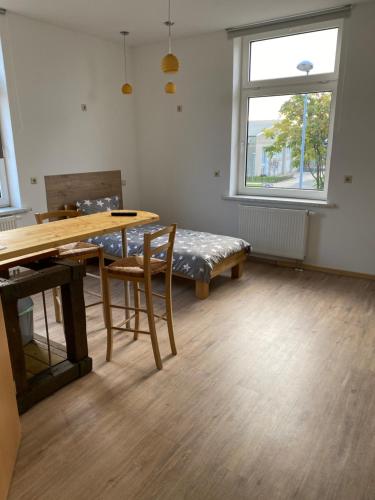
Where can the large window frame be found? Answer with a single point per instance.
(327, 82)
(4, 188)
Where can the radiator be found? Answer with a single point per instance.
(275, 231)
(7, 223)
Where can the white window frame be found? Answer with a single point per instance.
(4, 198)
(285, 86)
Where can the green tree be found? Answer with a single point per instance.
(287, 133)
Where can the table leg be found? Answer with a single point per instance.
(124, 242)
(15, 345)
(73, 307)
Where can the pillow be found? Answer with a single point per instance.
(87, 207)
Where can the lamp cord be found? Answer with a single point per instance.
(125, 72)
(169, 27)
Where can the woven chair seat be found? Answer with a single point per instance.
(134, 266)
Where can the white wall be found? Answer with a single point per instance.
(50, 73)
(177, 153)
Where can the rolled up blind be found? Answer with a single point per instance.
(289, 22)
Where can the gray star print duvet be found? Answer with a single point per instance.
(195, 253)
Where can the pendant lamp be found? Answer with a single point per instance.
(170, 63)
(126, 88)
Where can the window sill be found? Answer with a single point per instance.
(279, 202)
(4, 211)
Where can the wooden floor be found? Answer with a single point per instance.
(272, 396)
(37, 359)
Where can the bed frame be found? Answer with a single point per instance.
(62, 191)
(202, 288)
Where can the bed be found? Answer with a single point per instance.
(198, 256)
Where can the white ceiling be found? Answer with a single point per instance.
(144, 18)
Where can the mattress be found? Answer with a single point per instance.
(195, 253)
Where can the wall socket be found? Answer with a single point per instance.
(33, 180)
(217, 173)
(348, 179)
(84, 107)
(123, 182)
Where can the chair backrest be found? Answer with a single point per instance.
(55, 215)
(149, 250)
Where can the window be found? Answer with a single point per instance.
(287, 103)
(4, 192)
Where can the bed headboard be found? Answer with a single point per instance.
(66, 189)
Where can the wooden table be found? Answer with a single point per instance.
(39, 237)
(32, 239)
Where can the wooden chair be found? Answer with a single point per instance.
(140, 270)
(79, 251)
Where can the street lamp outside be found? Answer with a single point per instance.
(305, 66)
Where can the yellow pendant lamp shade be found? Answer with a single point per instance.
(170, 88)
(127, 88)
(170, 64)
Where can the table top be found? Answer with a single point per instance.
(32, 239)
